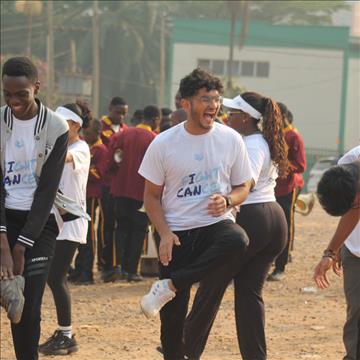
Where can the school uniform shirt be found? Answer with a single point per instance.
(192, 168)
(109, 129)
(264, 172)
(99, 155)
(73, 184)
(353, 240)
(20, 165)
(297, 162)
(133, 142)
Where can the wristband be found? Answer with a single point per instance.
(228, 201)
(329, 254)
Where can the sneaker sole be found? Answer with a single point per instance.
(61, 351)
(14, 315)
(147, 314)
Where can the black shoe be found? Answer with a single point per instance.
(84, 279)
(58, 344)
(110, 275)
(134, 278)
(276, 275)
(73, 275)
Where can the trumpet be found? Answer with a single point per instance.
(305, 203)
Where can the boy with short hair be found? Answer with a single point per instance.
(33, 149)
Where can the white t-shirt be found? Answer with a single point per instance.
(20, 165)
(353, 240)
(73, 184)
(264, 172)
(193, 167)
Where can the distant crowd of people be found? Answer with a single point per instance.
(217, 178)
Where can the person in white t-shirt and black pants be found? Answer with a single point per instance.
(73, 185)
(33, 149)
(192, 183)
(339, 194)
(259, 120)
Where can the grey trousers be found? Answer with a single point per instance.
(351, 335)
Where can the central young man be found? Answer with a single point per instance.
(195, 173)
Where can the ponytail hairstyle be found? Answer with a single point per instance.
(272, 124)
(81, 108)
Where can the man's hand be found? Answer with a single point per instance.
(217, 205)
(337, 267)
(18, 253)
(6, 261)
(320, 271)
(166, 245)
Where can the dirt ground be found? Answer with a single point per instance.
(300, 325)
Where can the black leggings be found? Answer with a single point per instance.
(265, 224)
(26, 333)
(57, 279)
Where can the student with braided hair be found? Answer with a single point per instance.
(84, 261)
(259, 120)
(72, 184)
(288, 188)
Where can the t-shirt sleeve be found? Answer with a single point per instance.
(81, 155)
(350, 156)
(241, 169)
(257, 157)
(152, 166)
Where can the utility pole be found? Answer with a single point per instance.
(96, 59)
(50, 56)
(162, 61)
(73, 57)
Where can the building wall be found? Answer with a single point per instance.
(352, 124)
(307, 80)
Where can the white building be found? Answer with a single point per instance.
(314, 70)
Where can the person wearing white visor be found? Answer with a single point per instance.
(73, 185)
(258, 119)
(238, 103)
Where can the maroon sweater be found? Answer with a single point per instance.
(99, 157)
(126, 182)
(297, 162)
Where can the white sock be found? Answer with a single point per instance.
(66, 330)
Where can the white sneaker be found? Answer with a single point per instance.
(158, 296)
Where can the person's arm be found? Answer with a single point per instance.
(218, 204)
(69, 158)
(114, 145)
(345, 226)
(42, 203)
(297, 158)
(152, 203)
(6, 261)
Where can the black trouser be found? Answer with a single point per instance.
(109, 251)
(26, 333)
(202, 251)
(130, 232)
(57, 280)
(287, 202)
(84, 260)
(266, 226)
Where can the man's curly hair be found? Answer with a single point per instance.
(197, 80)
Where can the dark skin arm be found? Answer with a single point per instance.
(6, 261)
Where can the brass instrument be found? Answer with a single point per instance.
(305, 203)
